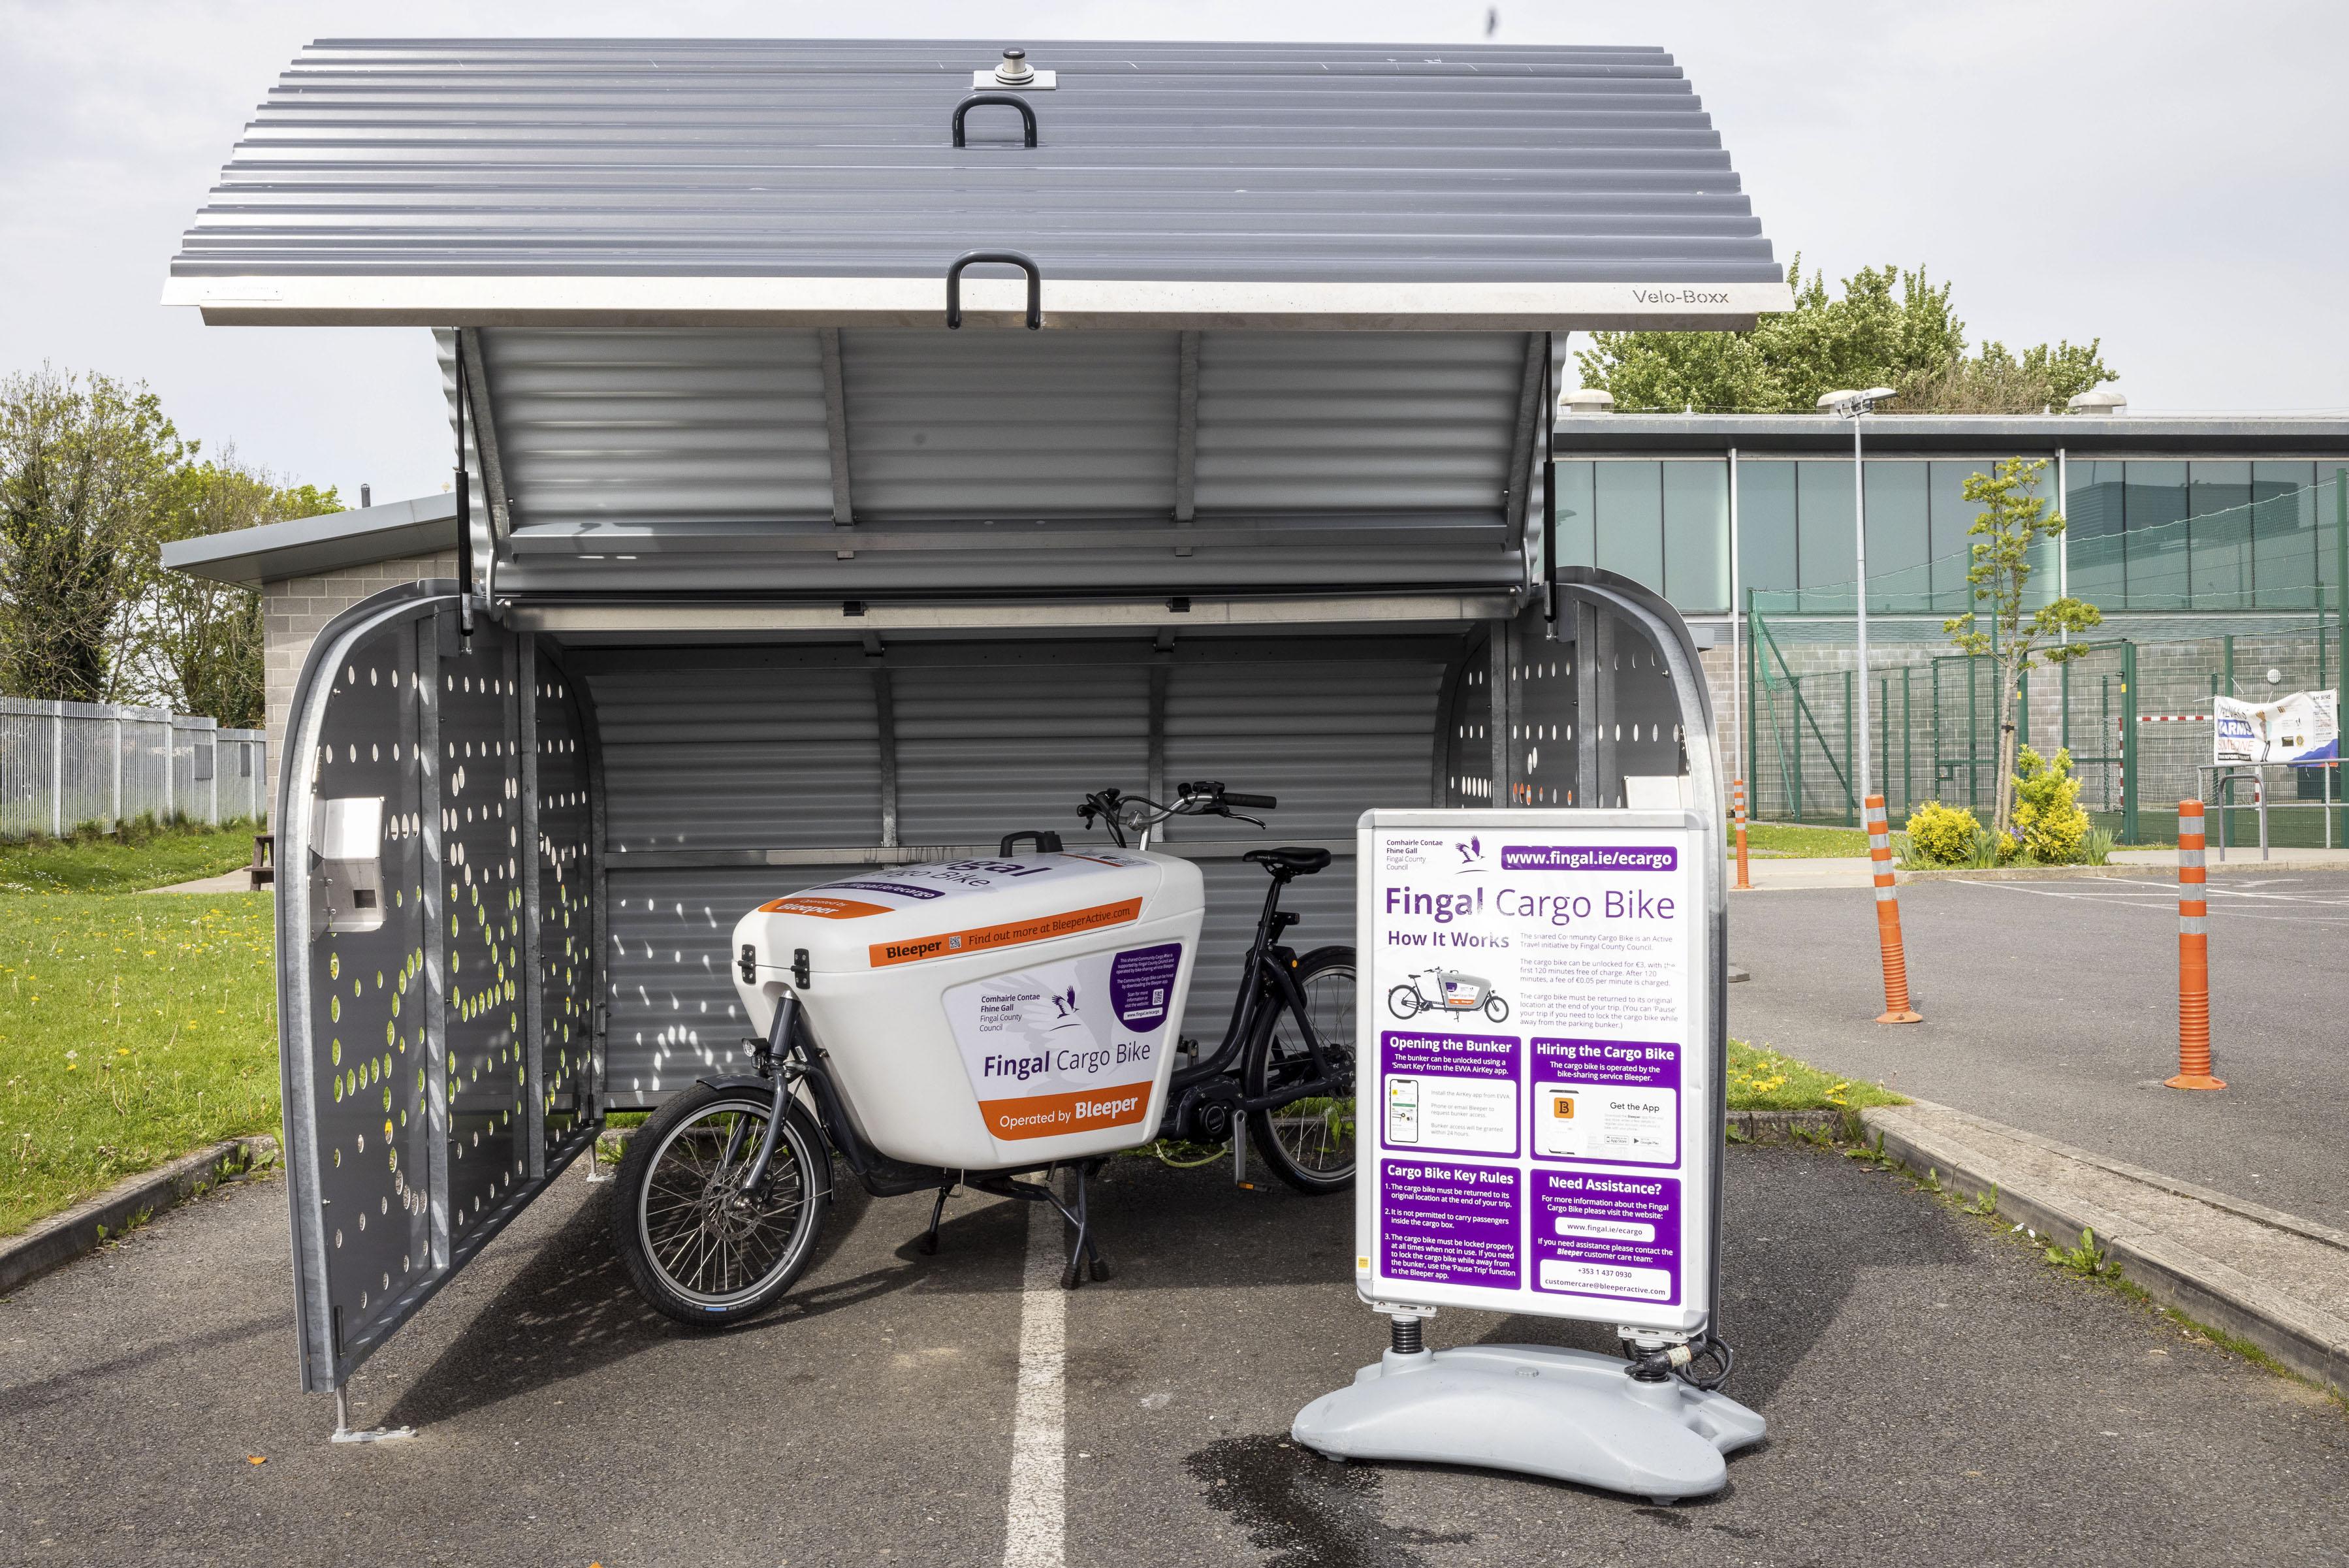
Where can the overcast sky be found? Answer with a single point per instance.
(2166, 176)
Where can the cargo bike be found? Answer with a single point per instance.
(986, 1023)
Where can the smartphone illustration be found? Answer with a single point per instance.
(1402, 1110)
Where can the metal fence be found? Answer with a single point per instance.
(2244, 602)
(67, 764)
(2134, 710)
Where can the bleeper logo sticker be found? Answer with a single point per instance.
(1067, 1047)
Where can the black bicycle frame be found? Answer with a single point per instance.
(1270, 982)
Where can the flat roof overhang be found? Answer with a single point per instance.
(2280, 437)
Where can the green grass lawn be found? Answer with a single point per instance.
(1781, 841)
(1761, 1079)
(110, 866)
(132, 1028)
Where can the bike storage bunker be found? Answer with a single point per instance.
(855, 469)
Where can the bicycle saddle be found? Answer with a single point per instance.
(1291, 861)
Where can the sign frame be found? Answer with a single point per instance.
(1701, 1061)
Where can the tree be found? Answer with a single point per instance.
(1892, 328)
(85, 467)
(195, 646)
(2013, 520)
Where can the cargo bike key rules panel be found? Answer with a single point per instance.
(1540, 1070)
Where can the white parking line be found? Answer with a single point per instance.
(2238, 902)
(1034, 1530)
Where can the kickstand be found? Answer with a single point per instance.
(929, 1241)
(343, 1433)
(1084, 1255)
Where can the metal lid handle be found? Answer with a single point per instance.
(1007, 100)
(1007, 258)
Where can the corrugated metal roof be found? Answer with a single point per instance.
(1544, 181)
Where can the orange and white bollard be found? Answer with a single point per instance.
(1737, 788)
(2193, 956)
(1897, 1007)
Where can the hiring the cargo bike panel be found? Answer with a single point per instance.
(968, 1023)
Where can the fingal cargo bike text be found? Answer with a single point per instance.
(985, 1023)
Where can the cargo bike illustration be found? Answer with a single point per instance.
(1446, 992)
(983, 1024)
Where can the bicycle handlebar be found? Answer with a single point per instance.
(1121, 813)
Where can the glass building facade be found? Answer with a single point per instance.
(2141, 534)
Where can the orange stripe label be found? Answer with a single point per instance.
(1050, 1115)
(823, 908)
(980, 938)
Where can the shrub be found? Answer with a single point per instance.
(1941, 834)
(2047, 814)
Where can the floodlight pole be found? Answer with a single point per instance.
(1856, 410)
(1854, 405)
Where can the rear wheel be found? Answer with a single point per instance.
(1309, 1142)
(1403, 1001)
(695, 1246)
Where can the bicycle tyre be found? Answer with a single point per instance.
(666, 1164)
(1500, 1016)
(1404, 1002)
(1328, 1169)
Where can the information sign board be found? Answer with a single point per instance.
(2305, 727)
(1538, 1064)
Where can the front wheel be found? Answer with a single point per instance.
(1496, 1010)
(1309, 1142)
(695, 1245)
(1404, 1002)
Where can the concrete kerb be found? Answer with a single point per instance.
(2306, 1340)
(89, 1224)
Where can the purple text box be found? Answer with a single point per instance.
(1450, 1224)
(1617, 1262)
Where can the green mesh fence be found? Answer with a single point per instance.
(2133, 709)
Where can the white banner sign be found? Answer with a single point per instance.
(1536, 1078)
(2305, 727)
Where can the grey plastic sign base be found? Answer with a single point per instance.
(1565, 1413)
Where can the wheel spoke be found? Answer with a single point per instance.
(709, 1249)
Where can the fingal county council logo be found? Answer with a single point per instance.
(1472, 854)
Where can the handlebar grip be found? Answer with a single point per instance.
(1258, 802)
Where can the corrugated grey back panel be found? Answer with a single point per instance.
(738, 758)
(982, 750)
(642, 427)
(1331, 741)
(1006, 425)
(831, 158)
(1369, 421)
(674, 1013)
(987, 750)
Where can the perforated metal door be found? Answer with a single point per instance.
(437, 958)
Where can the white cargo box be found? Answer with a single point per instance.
(984, 1013)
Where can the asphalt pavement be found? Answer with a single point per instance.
(2052, 1006)
(1936, 1393)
